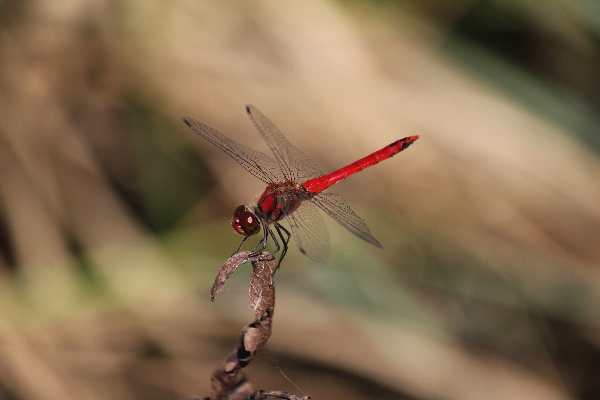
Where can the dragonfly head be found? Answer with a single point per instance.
(245, 222)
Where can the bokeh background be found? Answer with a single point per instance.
(114, 216)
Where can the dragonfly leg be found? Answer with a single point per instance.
(281, 230)
(284, 240)
(241, 244)
(283, 235)
(275, 241)
(262, 243)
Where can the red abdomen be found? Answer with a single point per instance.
(317, 185)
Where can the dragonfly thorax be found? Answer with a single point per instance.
(279, 200)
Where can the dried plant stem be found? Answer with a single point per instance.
(225, 381)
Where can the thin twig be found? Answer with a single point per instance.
(225, 381)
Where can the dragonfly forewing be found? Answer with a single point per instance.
(295, 164)
(257, 163)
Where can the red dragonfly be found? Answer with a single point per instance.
(295, 186)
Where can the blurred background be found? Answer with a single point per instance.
(114, 216)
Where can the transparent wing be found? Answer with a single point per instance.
(338, 208)
(295, 164)
(258, 164)
(309, 232)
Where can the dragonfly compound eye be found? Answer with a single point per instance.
(245, 222)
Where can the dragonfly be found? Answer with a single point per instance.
(295, 190)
